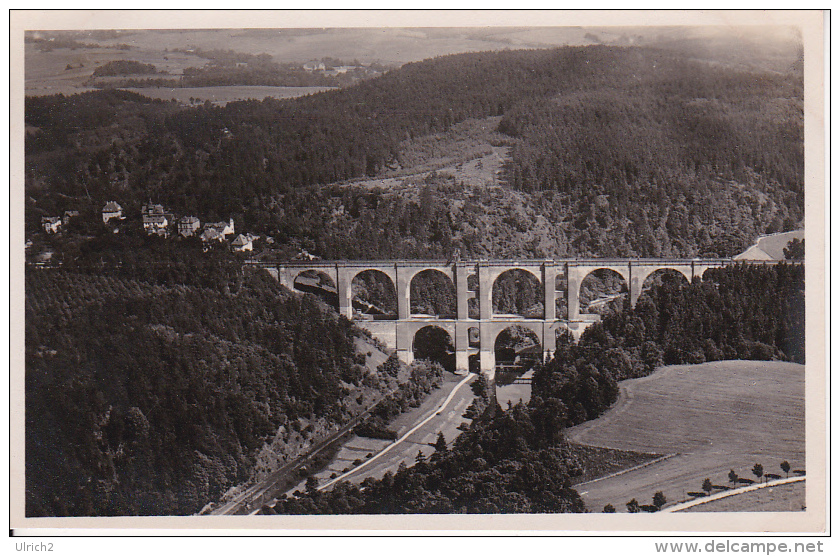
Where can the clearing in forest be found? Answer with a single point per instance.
(714, 417)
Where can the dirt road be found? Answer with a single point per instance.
(355, 450)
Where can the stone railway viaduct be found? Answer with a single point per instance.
(399, 333)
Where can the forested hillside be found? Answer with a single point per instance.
(146, 399)
(679, 157)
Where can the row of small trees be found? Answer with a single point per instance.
(659, 499)
(634, 507)
(757, 470)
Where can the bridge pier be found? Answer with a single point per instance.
(635, 285)
(485, 293)
(549, 290)
(462, 293)
(344, 289)
(403, 290)
(572, 293)
(462, 347)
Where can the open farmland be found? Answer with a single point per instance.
(66, 70)
(775, 244)
(714, 417)
(222, 95)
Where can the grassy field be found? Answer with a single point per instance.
(223, 95)
(775, 244)
(66, 71)
(783, 498)
(47, 73)
(715, 417)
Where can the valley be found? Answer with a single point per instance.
(168, 372)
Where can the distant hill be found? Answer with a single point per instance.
(617, 151)
(400, 45)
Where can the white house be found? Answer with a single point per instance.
(314, 65)
(112, 209)
(243, 243)
(224, 228)
(211, 234)
(155, 224)
(188, 226)
(51, 224)
(155, 219)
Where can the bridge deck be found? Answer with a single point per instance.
(512, 262)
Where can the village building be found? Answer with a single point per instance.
(156, 224)
(224, 228)
(211, 234)
(51, 224)
(152, 209)
(68, 214)
(111, 210)
(243, 243)
(314, 65)
(155, 219)
(188, 226)
(305, 255)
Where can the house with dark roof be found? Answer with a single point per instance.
(224, 228)
(112, 209)
(211, 234)
(68, 214)
(155, 224)
(152, 209)
(155, 219)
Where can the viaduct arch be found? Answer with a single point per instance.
(399, 334)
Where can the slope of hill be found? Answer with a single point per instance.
(771, 247)
(146, 399)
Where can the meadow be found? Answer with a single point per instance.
(222, 95)
(714, 417)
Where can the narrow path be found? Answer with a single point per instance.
(728, 493)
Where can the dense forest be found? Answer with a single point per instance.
(518, 460)
(692, 158)
(150, 399)
(124, 67)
